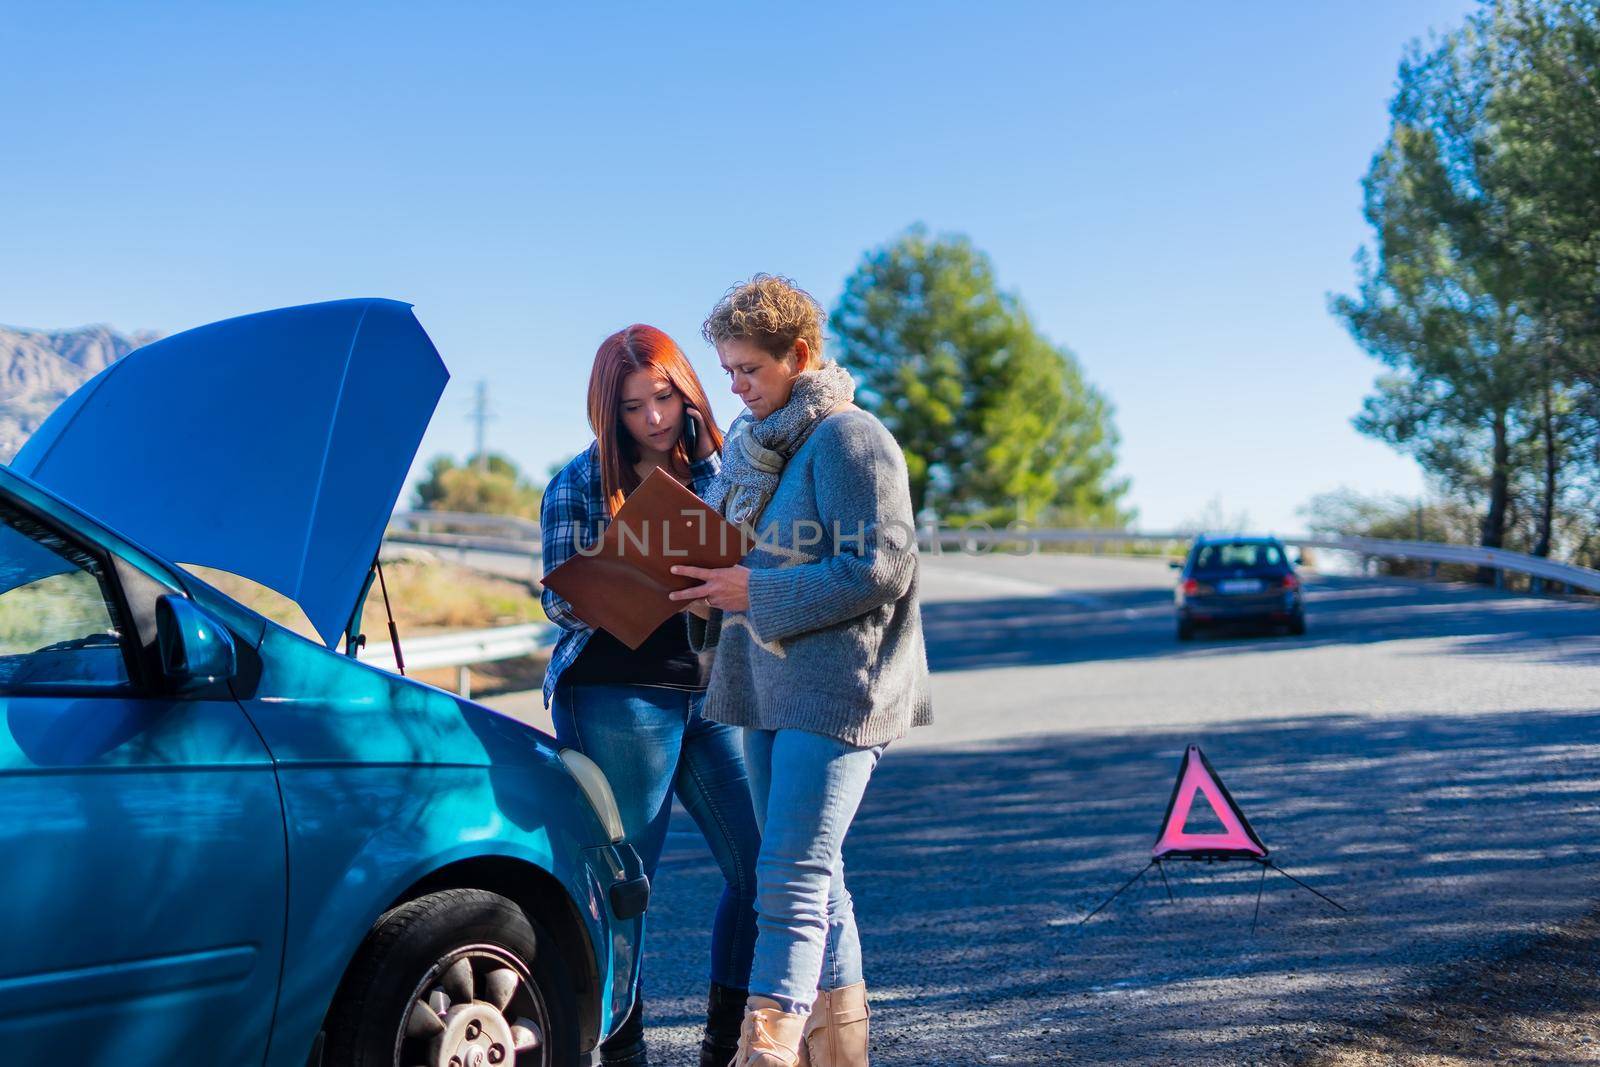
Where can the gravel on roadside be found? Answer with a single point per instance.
(1539, 1005)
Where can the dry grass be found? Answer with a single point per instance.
(434, 596)
(427, 596)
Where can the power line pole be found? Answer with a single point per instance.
(480, 417)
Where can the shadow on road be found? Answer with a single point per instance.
(972, 868)
(1120, 624)
(1538, 1005)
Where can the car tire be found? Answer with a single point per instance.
(1297, 625)
(1185, 630)
(446, 955)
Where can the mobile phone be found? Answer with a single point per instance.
(691, 431)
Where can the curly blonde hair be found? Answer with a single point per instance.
(770, 311)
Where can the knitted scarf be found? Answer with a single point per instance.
(756, 450)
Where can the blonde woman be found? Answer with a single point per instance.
(819, 654)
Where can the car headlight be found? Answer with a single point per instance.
(592, 780)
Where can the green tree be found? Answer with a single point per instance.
(1483, 293)
(995, 421)
(491, 484)
(1435, 304)
(1543, 59)
(1543, 113)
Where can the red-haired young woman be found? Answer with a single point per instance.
(637, 712)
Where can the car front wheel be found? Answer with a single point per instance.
(454, 979)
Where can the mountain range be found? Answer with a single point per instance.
(39, 368)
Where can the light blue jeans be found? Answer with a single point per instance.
(806, 788)
(651, 741)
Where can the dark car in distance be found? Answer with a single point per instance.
(1238, 580)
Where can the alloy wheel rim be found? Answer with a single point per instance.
(477, 1006)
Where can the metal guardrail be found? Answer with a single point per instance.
(512, 536)
(466, 532)
(936, 538)
(469, 542)
(462, 650)
(1498, 559)
(455, 522)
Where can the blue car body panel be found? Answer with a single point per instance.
(196, 872)
(144, 877)
(272, 445)
(145, 859)
(386, 781)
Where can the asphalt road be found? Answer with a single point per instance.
(1426, 755)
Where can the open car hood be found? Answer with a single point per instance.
(273, 446)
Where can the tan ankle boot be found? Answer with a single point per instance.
(836, 1033)
(770, 1036)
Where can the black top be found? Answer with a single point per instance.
(664, 659)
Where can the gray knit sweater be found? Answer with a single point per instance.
(832, 642)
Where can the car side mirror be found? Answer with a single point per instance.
(196, 650)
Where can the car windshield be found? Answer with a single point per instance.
(1237, 555)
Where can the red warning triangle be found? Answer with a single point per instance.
(1196, 775)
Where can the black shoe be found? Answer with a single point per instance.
(724, 1016)
(625, 1048)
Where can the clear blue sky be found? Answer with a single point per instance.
(1172, 188)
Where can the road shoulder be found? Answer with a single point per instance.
(1540, 1004)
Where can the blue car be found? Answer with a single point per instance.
(225, 843)
(1233, 580)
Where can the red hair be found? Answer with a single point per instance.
(637, 348)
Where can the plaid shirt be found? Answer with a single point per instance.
(574, 508)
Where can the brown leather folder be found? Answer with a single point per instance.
(621, 585)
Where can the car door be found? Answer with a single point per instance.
(142, 863)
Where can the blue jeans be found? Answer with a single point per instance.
(651, 741)
(807, 788)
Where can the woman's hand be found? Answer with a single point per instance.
(702, 438)
(725, 588)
